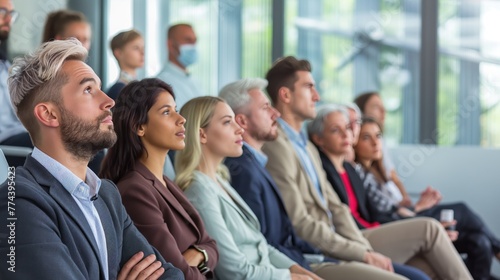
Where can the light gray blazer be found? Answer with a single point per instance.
(243, 250)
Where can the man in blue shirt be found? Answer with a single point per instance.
(64, 221)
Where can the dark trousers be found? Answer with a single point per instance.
(410, 272)
(475, 238)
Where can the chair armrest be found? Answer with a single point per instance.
(16, 151)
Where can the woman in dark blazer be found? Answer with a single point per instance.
(148, 126)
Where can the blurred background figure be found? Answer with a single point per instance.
(12, 131)
(181, 43)
(63, 24)
(128, 49)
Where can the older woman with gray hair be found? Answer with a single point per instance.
(331, 132)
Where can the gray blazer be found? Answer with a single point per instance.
(52, 237)
(243, 251)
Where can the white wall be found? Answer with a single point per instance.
(462, 173)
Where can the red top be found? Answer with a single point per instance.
(353, 202)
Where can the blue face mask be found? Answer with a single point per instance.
(187, 54)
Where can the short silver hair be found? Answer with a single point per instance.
(40, 67)
(236, 93)
(317, 125)
(353, 106)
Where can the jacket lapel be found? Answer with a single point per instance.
(332, 172)
(109, 230)
(169, 197)
(318, 168)
(64, 199)
(240, 205)
(264, 173)
(357, 186)
(311, 188)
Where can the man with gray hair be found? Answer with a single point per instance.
(63, 221)
(254, 113)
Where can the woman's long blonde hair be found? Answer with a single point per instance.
(198, 113)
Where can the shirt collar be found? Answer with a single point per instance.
(74, 185)
(126, 77)
(175, 68)
(259, 156)
(294, 136)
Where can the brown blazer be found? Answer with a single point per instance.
(308, 214)
(166, 218)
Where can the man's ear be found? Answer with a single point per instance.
(241, 120)
(47, 114)
(203, 136)
(285, 95)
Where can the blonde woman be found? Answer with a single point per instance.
(211, 135)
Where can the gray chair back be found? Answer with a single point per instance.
(4, 168)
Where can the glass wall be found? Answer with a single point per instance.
(203, 16)
(469, 95)
(360, 46)
(120, 19)
(256, 37)
(354, 46)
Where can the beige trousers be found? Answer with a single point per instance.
(422, 243)
(353, 271)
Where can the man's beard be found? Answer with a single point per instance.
(269, 135)
(4, 35)
(84, 139)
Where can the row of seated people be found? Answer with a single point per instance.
(209, 230)
(213, 132)
(365, 188)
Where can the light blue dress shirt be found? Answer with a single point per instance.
(299, 142)
(259, 156)
(82, 192)
(9, 123)
(184, 86)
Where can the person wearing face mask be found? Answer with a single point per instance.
(182, 52)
